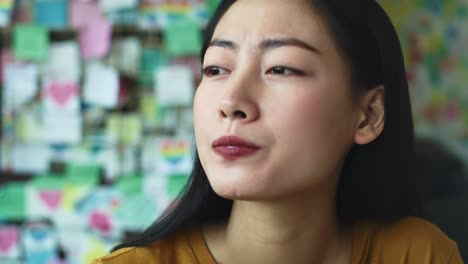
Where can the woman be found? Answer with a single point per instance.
(304, 138)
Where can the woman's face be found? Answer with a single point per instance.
(273, 77)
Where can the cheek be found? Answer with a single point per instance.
(316, 121)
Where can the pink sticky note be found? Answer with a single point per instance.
(51, 198)
(9, 240)
(83, 13)
(95, 39)
(61, 96)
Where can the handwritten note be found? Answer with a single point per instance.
(101, 85)
(174, 85)
(30, 42)
(95, 39)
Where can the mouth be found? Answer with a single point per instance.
(234, 147)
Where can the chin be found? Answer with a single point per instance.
(240, 191)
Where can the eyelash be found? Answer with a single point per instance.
(207, 70)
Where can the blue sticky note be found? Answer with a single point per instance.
(51, 13)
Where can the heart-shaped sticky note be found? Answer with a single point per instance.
(174, 151)
(8, 239)
(100, 221)
(51, 198)
(61, 93)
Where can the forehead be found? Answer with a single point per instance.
(254, 20)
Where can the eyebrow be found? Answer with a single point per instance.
(266, 44)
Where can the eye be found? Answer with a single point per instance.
(282, 70)
(211, 71)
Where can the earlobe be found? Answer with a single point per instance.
(371, 116)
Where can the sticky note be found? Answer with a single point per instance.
(30, 42)
(5, 12)
(83, 174)
(40, 244)
(182, 38)
(61, 97)
(20, 84)
(9, 241)
(62, 128)
(124, 129)
(115, 5)
(174, 85)
(63, 63)
(151, 59)
(51, 13)
(83, 13)
(48, 182)
(101, 85)
(129, 55)
(95, 39)
(30, 157)
(13, 201)
(43, 202)
(137, 212)
(149, 110)
(175, 184)
(212, 5)
(130, 185)
(173, 156)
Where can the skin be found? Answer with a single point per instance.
(295, 102)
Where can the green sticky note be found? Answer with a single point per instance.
(151, 59)
(48, 182)
(175, 184)
(83, 174)
(130, 185)
(182, 38)
(30, 42)
(212, 5)
(13, 202)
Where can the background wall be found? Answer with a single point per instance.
(96, 112)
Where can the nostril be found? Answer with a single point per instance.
(240, 114)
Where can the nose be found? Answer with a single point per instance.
(239, 105)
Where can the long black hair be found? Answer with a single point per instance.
(375, 183)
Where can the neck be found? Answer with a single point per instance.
(294, 230)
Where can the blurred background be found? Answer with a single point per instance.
(96, 121)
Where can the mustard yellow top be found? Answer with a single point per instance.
(407, 241)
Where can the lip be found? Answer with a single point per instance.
(233, 147)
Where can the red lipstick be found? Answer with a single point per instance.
(233, 147)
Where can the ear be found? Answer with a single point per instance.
(371, 118)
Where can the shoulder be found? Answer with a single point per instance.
(174, 249)
(413, 239)
(128, 255)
